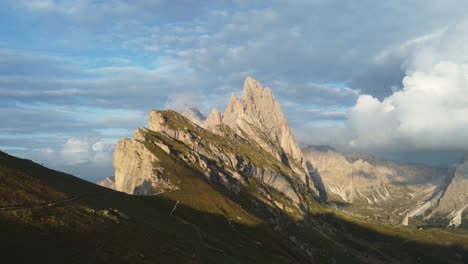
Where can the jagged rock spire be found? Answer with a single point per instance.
(213, 120)
(259, 115)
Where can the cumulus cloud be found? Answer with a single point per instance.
(86, 157)
(430, 111)
(77, 151)
(102, 153)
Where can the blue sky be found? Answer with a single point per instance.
(386, 77)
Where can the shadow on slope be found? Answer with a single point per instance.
(317, 181)
(154, 229)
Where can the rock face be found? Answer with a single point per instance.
(258, 115)
(453, 200)
(353, 177)
(135, 170)
(391, 191)
(394, 192)
(250, 150)
(213, 120)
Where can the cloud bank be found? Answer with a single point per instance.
(429, 113)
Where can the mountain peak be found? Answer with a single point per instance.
(215, 118)
(252, 89)
(254, 92)
(259, 116)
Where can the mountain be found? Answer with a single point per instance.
(370, 188)
(250, 149)
(454, 200)
(258, 116)
(447, 205)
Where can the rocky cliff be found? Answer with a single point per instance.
(249, 150)
(258, 116)
(371, 188)
(452, 202)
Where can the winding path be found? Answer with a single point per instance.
(47, 203)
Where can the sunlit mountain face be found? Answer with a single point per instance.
(233, 131)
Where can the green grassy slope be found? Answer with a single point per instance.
(80, 231)
(207, 226)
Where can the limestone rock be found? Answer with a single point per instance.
(156, 121)
(366, 182)
(214, 119)
(453, 201)
(258, 116)
(405, 220)
(135, 169)
(456, 195)
(250, 148)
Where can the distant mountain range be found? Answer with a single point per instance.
(383, 191)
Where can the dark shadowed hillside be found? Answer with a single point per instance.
(53, 217)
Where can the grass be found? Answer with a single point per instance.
(74, 233)
(71, 233)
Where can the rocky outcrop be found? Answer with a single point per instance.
(435, 196)
(136, 169)
(353, 177)
(224, 165)
(250, 151)
(229, 160)
(449, 202)
(453, 201)
(258, 116)
(390, 190)
(213, 120)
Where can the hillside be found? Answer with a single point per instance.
(43, 224)
(100, 225)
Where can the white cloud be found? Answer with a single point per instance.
(102, 153)
(430, 112)
(185, 104)
(76, 151)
